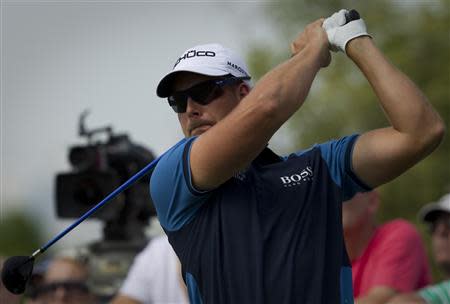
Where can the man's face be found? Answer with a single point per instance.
(62, 284)
(440, 237)
(62, 270)
(199, 118)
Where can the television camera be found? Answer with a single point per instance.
(97, 169)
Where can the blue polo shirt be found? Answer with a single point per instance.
(270, 234)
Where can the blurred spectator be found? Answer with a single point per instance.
(154, 277)
(437, 215)
(5, 295)
(386, 259)
(64, 282)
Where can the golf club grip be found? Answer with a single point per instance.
(351, 15)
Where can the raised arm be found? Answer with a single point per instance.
(231, 144)
(416, 128)
(407, 298)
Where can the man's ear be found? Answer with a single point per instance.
(244, 89)
(374, 200)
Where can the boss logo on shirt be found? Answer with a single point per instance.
(296, 179)
(240, 176)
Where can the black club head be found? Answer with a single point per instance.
(16, 272)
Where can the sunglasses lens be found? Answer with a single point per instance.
(203, 93)
(178, 102)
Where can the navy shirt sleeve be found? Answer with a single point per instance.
(176, 200)
(338, 156)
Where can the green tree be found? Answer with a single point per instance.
(19, 235)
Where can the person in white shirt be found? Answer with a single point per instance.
(154, 277)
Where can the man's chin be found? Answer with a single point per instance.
(200, 130)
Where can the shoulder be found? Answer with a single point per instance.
(175, 198)
(445, 285)
(434, 293)
(175, 153)
(399, 228)
(329, 147)
(399, 234)
(340, 145)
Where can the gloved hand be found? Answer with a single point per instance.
(340, 33)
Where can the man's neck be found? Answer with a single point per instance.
(356, 240)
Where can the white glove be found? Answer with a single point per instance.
(339, 33)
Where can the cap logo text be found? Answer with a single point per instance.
(194, 53)
(236, 67)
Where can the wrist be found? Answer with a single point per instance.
(318, 55)
(359, 46)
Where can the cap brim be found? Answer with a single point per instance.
(165, 84)
(428, 213)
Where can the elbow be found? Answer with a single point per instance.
(437, 132)
(435, 135)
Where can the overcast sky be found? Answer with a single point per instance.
(61, 57)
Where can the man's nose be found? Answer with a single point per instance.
(60, 294)
(193, 108)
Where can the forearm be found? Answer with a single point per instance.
(405, 105)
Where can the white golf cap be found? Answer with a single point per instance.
(207, 59)
(428, 212)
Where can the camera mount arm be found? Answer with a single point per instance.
(83, 132)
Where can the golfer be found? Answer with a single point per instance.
(248, 225)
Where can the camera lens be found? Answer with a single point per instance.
(87, 192)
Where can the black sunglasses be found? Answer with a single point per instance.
(203, 93)
(74, 287)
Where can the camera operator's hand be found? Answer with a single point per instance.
(314, 38)
(340, 33)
